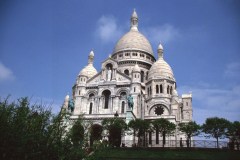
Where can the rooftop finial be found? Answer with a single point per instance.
(160, 50)
(134, 21)
(90, 57)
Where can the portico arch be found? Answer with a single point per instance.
(95, 133)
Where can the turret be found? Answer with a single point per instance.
(136, 77)
(65, 103)
(88, 71)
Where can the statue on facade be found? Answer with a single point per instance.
(71, 105)
(109, 74)
(130, 102)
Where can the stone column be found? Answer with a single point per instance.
(111, 105)
(115, 71)
(164, 87)
(103, 76)
(100, 107)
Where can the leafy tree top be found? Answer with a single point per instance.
(190, 128)
(234, 131)
(116, 122)
(139, 126)
(164, 126)
(216, 127)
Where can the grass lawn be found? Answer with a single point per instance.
(165, 154)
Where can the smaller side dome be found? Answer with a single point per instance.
(89, 70)
(136, 68)
(160, 69)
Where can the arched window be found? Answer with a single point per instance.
(123, 107)
(90, 108)
(150, 138)
(161, 88)
(142, 76)
(167, 89)
(171, 90)
(95, 133)
(123, 95)
(157, 89)
(91, 96)
(106, 95)
(126, 71)
(134, 89)
(150, 90)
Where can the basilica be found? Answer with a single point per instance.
(131, 84)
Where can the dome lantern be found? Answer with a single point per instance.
(134, 21)
(160, 51)
(91, 57)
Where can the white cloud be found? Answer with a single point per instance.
(211, 102)
(232, 70)
(5, 73)
(164, 33)
(108, 30)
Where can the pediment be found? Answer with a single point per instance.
(95, 79)
(110, 60)
(122, 77)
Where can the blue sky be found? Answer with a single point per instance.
(44, 45)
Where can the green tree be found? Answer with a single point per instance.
(190, 129)
(234, 134)
(139, 127)
(216, 127)
(164, 127)
(33, 132)
(23, 130)
(116, 128)
(77, 133)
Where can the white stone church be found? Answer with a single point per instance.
(131, 70)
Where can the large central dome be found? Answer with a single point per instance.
(133, 40)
